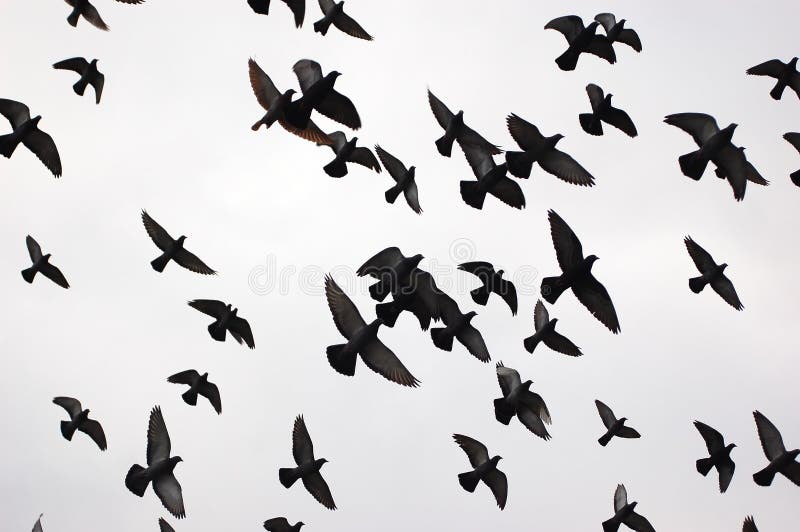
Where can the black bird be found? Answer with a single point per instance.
(581, 40)
(172, 249)
(419, 296)
(614, 426)
(89, 12)
(749, 525)
(164, 526)
(198, 384)
(492, 179)
(347, 152)
(518, 400)
(492, 282)
(334, 14)
(794, 140)
(404, 177)
(624, 514)
(226, 320)
(540, 149)
(785, 73)
(780, 460)
(617, 32)
(719, 455)
(281, 524)
(41, 264)
(319, 94)
(577, 274)
(160, 468)
(298, 8)
(603, 111)
(394, 271)
(89, 75)
(484, 468)
(26, 131)
(307, 466)
(712, 274)
(546, 332)
(456, 130)
(79, 420)
(459, 325)
(37, 526)
(752, 175)
(362, 338)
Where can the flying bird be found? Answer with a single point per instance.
(198, 384)
(347, 152)
(172, 249)
(298, 8)
(786, 74)
(581, 40)
(749, 525)
(319, 94)
(395, 272)
(614, 426)
(418, 296)
(26, 130)
(712, 273)
(719, 455)
(89, 75)
(281, 524)
(456, 130)
(79, 420)
(624, 514)
(334, 14)
(83, 8)
(37, 526)
(603, 111)
(780, 460)
(403, 177)
(492, 282)
(518, 400)
(546, 332)
(41, 264)
(307, 466)
(492, 179)
(617, 32)
(225, 320)
(164, 526)
(459, 326)
(484, 469)
(750, 171)
(794, 140)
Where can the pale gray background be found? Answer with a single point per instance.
(172, 136)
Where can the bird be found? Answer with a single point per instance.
(624, 514)
(603, 111)
(418, 296)
(456, 130)
(614, 426)
(41, 264)
(160, 468)
(786, 74)
(484, 469)
(749, 524)
(198, 384)
(226, 319)
(719, 455)
(298, 8)
(492, 282)
(518, 400)
(79, 420)
(751, 173)
(397, 273)
(88, 72)
(319, 95)
(780, 460)
(794, 140)
(403, 177)
(26, 130)
(546, 332)
(491, 179)
(307, 466)
(37, 526)
(712, 273)
(362, 338)
(581, 40)
(172, 249)
(334, 14)
(577, 274)
(164, 526)
(540, 149)
(281, 524)
(459, 326)
(85, 9)
(617, 32)
(347, 152)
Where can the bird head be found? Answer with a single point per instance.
(36, 119)
(495, 459)
(334, 74)
(591, 259)
(631, 506)
(204, 375)
(793, 454)
(181, 239)
(300, 524)
(608, 98)
(623, 419)
(500, 273)
(621, 23)
(730, 447)
(416, 259)
(175, 460)
(793, 62)
(94, 62)
(469, 315)
(723, 266)
(85, 412)
(234, 311)
(554, 321)
(593, 26)
(526, 385)
(552, 141)
(376, 324)
(320, 462)
(46, 257)
(290, 93)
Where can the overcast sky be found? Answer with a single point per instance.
(172, 135)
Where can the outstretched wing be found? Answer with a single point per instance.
(76, 64)
(72, 406)
(345, 314)
(383, 361)
(158, 443)
(570, 26)
(157, 234)
(476, 451)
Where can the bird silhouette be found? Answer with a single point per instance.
(26, 132)
(719, 455)
(484, 469)
(226, 319)
(581, 40)
(333, 13)
(89, 75)
(172, 249)
(79, 420)
(307, 468)
(41, 264)
(614, 426)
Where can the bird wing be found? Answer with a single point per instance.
(772, 68)
(564, 167)
(724, 287)
(714, 440)
(480, 269)
(345, 314)
(508, 292)
(188, 377)
(508, 378)
(749, 525)
(631, 38)
(298, 8)
(164, 526)
(570, 26)
(607, 20)
(263, 87)
(43, 146)
(338, 107)
(76, 64)
(411, 194)
(734, 165)
(442, 114)
(793, 139)
(311, 132)
(158, 444)
(639, 523)
(595, 298)
(157, 234)
(240, 330)
(528, 417)
(383, 361)
(540, 315)
(620, 496)
(37, 526)
(699, 125)
(261, 7)
(562, 344)
(211, 307)
(365, 157)
(535, 402)
(497, 482)
(427, 294)
(509, 192)
(191, 262)
(210, 391)
(476, 451)
(317, 487)
(596, 95)
(526, 135)
(308, 72)
(725, 474)
(628, 432)
(93, 17)
(702, 259)
(277, 524)
(94, 430)
(378, 264)
(15, 112)
(392, 164)
(169, 491)
(338, 140)
(792, 472)
(98, 82)
(569, 251)
(302, 446)
(72, 406)
(326, 6)
(471, 338)
(470, 136)
(34, 249)
(608, 417)
(347, 24)
(602, 48)
(753, 175)
(620, 120)
(54, 274)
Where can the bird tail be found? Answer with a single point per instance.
(795, 177)
(519, 164)
(341, 361)
(135, 480)
(28, 274)
(610, 526)
(442, 339)
(530, 343)
(216, 332)
(472, 195)
(605, 438)
(704, 465)
(80, 86)
(697, 284)
(322, 25)
(445, 145)
(288, 476)
(67, 430)
(502, 412)
(552, 288)
(388, 313)
(480, 295)
(693, 165)
(590, 124)
(336, 168)
(160, 263)
(7, 145)
(379, 290)
(73, 17)
(469, 480)
(568, 60)
(190, 397)
(777, 91)
(392, 193)
(764, 477)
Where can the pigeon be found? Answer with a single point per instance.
(459, 325)
(307, 466)
(581, 40)
(794, 140)
(404, 177)
(37, 526)
(780, 460)
(456, 130)
(712, 274)
(624, 514)
(617, 32)
(298, 8)
(226, 320)
(752, 175)
(546, 332)
(577, 274)
(164, 526)
(397, 273)
(492, 179)
(319, 94)
(420, 297)
(89, 12)
(616, 427)
(749, 525)
(719, 455)
(539, 149)
(346, 152)
(88, 72)
(334, 14)
(786, 74)
(281, 524)
(519, 400)
(160, 468)
(172, 249)
(198, 384)
(26, 131)
(484, 468)
(492, 282)
(603, 111)
(79, 420)
(41, 264)
(361, 339)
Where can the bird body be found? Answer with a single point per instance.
(347, 152)
(483, 469)
(308, 467)
(198, 385)
(719, 456)
(614, 426)
(322, 25)
(624, 513)
(581, 40)
(226, 319)
(518, 400)
(546, 332)
(459, 326)
(333, 13)
(711, 274)
(281, 524)
(41, 264)
(298, 8)
(455, 130)
(319, 94)
(785, 74)
(404, 180)
(25, 130)
(79, 421)
(617, 32)
(603, 111)
(89, 75)
(492, 282)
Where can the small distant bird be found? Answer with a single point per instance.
(780, 460)
(79, 420)
(281, 524)
(749, 525)
(89, 75)
(347, 152)
(577, 274)
(404, 177)
(624, 514)
(616, 427)
(298, 8)
(160, 467)
(712, 273)
(518, 400)
(226, 320)
(785, 73)
(198, 384)
(164, 526)
(26, 131)
(492, 179)
(319, 94)
(456, 130)
(603, 111)
(484, 468)
(546, 332)
(37, 526)
(307, 466)
(540, 149)
(492, 282)
(581, 40)
(41, 264)
(334, 14)
(459, 326)
(173, 249)
(89, 12)
(794, 140)
(719, 455)
(617, 32)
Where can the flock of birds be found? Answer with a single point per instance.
(411, 288)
